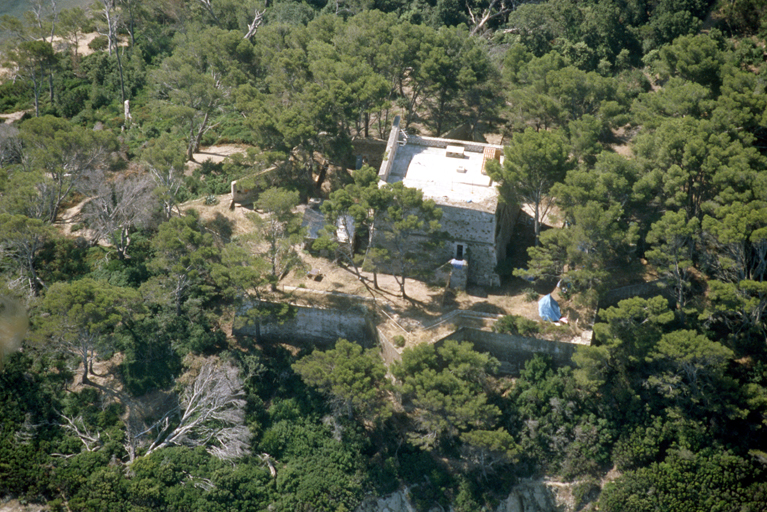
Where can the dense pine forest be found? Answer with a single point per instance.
(643, 122)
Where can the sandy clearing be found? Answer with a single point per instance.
(216, 154)
(60, 45)
(16, 506)
(13, 116)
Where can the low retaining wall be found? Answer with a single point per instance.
(513, 351)
(311, 326)
(389, 352)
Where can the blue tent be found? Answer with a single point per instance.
(548, 309)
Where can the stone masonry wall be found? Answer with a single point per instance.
(323, 327)
(513, 351)
(468, 225)
(433, 142)
(482, 263)
(314, 326)
(391, 151)
(475, 230)
(242, 195)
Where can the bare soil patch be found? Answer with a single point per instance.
(13, 116)
(60, 44)
(216, 154)
(236, 215)
(622, 138)
(16, 506)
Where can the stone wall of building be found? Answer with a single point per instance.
(475, 230)
(506, 217)
(467, 224)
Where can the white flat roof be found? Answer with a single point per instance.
(432, 171)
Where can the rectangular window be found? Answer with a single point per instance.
(459, 252)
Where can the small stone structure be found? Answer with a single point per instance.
(314, 222)
(453, 174)
(243, 194)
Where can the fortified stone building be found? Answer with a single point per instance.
(452, 173)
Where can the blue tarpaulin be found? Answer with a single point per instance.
(548, 309)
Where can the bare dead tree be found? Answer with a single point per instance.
(269, 461)
(91, 441)
(38, 15)
(10, 145)
(211, 413)
(258, 18)
(207, 5)
(117, 206)
(496, 9)
(112, 18)
(81, 345)
(54, 17)
(168, 182)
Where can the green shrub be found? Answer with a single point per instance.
(585, 492)
(99, 43)
(399, 341)
(530, 295)
(14, 95)
(515, 324)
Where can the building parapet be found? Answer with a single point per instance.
(391, 151)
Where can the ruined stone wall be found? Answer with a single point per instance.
(513, 351)
(241, 195)
(389, 352)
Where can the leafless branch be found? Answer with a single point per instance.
(267, 459)
(212, 414)
(207, 5)
(92, 442)
(116, 207)
(253, 27)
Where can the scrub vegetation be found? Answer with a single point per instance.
(642, 123)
